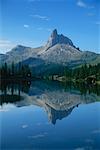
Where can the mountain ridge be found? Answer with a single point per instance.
(59, 50)
(56, 38)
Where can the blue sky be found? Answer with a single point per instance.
(30, 22)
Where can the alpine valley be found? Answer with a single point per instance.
(59, 52)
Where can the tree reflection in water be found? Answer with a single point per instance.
(10, 90)
(58, 99)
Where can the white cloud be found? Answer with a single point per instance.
(80, 3)
(90, 14)
(97, 131)
(24, 126)
(26, 26)
(45, 18)
(38, 135)
(6, 108)
(3, 110)
(5, 45)
(97, 22)
(80, 148)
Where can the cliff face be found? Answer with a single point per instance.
(59, 50)
(56, 38)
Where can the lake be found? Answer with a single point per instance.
(49, 115)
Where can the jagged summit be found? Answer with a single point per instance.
(56, 38)
(59, 51)
(54, 33)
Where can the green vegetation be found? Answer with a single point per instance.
(15, 71)
(87, 73)
(11, 90)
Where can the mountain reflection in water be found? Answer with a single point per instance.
(58, 99)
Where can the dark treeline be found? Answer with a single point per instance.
(84, 72)
(14, 71)
(11, 90)
(83, 88)
(22, 85)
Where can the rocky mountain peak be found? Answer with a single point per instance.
(54, 33)
(56, 38)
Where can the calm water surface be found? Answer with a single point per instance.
(49, 115)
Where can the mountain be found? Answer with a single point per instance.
(55, 38)
(19, 54)
(57, 102)
(58, 52)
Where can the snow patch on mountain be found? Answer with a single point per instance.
(60, 53)
(59, 49)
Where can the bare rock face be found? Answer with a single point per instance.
(56, 38)
(59, 50)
